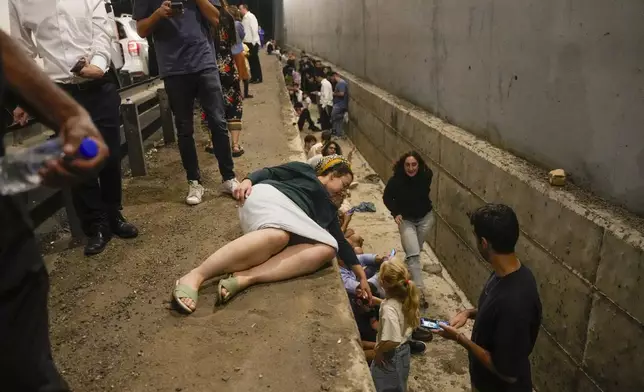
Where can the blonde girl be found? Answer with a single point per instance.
(399, 316)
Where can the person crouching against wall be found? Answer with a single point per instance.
(407, 198)
(399, 316)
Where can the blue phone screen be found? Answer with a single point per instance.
(431, 324)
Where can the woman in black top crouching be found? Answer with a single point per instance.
(407, 197)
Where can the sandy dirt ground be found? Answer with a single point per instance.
(111, 326)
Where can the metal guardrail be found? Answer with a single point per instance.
(144, 110)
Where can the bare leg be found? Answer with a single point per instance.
(294, 261)
(235, 137)
(245, 252)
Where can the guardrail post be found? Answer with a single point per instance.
(126, 79)
(167, 123)
(132, 128)
(72, 218)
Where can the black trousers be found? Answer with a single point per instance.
(182, 91)
(26, 363)
(305, 117)
(325, 117)
(253, 61)
(98, 199)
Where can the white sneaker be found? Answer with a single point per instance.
(229, 186)
(195, 193)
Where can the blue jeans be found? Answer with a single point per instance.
(413, 233)
(337, 121)
(393, 374)
(182, 91)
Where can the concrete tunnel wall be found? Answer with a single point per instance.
(560, 83)
(589, 263)
(588, 260)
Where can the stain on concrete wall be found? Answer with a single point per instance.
(559, 83)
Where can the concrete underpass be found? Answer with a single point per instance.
(495, 95)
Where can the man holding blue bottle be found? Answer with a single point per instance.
(26, 362)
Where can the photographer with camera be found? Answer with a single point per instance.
(187, 65)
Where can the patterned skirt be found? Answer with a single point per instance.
(233, 99)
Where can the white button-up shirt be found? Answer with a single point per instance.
(61, 32)
(326, 93)
(251, 27)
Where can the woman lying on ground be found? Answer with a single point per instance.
(290, 229)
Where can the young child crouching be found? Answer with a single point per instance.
(399, 316)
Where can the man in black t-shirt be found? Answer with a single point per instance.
(26, 363)
(508, 316)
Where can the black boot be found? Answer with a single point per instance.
(422, 334)
(417, 347)
(97, 241)
(121, 227)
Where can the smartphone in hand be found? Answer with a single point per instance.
(431, 323)
(80, 64)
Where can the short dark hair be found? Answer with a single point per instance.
(310, 138)
(498, 224)
(298, 105)
(326, 136)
